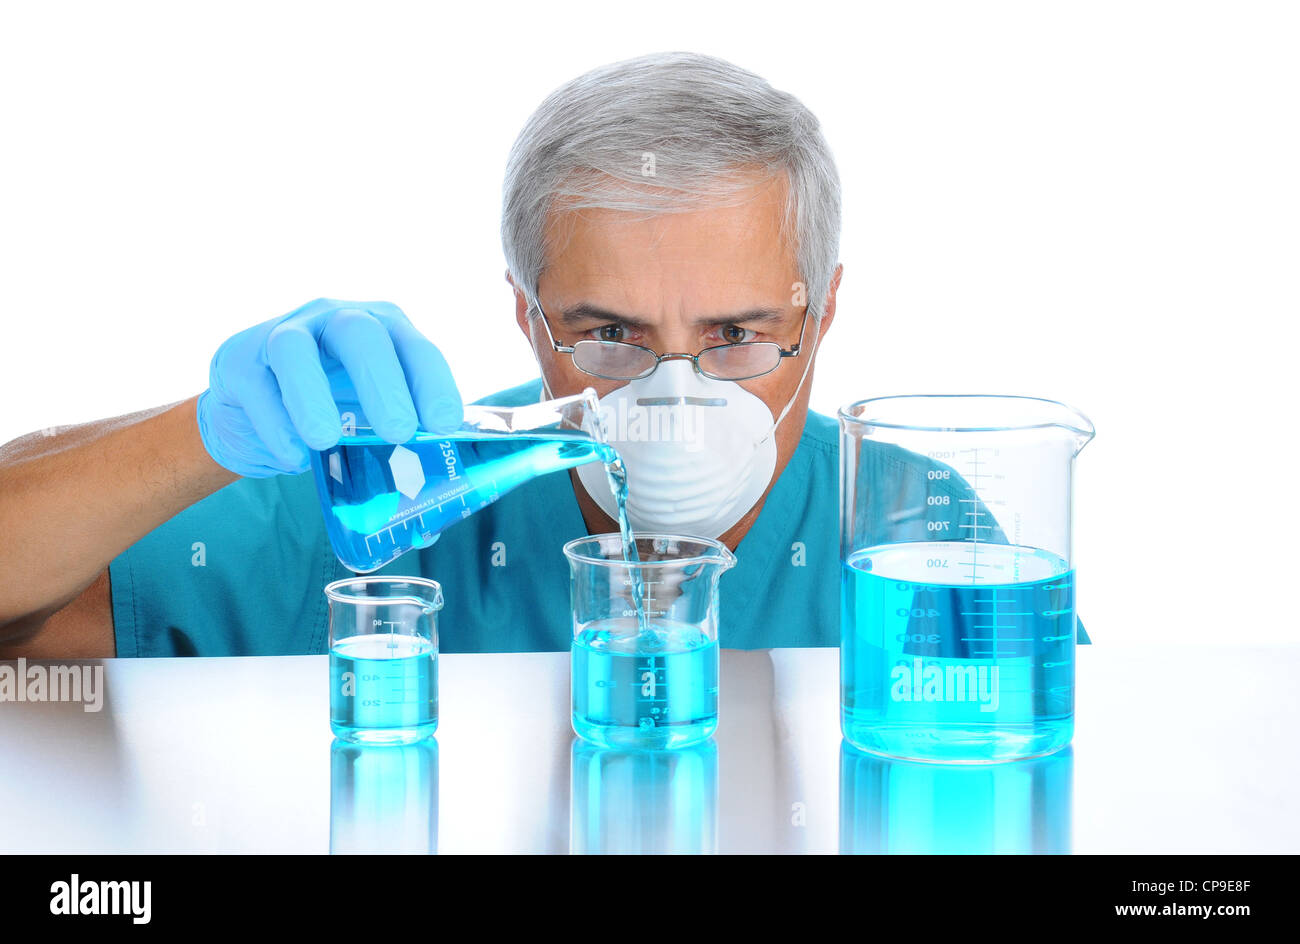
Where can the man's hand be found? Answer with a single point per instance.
(274, 388)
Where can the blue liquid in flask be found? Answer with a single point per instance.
(383, 688)
(938, 664)
(381, 500)
(655, 687)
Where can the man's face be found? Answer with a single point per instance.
(678, 283)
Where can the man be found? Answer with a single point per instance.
(673, 202)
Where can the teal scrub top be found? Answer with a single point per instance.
(242, 572)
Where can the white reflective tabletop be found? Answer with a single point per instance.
(1176, 750)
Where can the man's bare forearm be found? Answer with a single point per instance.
(73, 499)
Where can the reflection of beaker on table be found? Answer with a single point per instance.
(958, 628)
(384, 658)
(895, 806)
(644, 802)
(384, 799)
(651, 685)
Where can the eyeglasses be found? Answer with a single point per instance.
(622, 360)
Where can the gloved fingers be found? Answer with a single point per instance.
(263, 404)
(429, 378)
(362, 344)
(294, 357)
(314, 315)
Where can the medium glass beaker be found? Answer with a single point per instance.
(648, 679)
(381, 500)
(384, 658)
(958, 583)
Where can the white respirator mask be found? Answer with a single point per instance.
(699, 453)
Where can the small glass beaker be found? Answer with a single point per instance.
(645, 679)
(384, 658)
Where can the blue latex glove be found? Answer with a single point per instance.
(274, 389)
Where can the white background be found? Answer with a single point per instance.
(1091, 202)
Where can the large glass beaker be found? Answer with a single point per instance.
(958, 581)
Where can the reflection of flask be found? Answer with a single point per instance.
(384, 798)
(889, 806)
(644, 801)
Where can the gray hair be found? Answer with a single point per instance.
(703, 124)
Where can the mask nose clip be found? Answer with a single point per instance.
(681, 401)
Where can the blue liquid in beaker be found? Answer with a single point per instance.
(382, 500)
(383, 688)
(654, 688)
(957, 651)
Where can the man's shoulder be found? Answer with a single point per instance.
(821, 434)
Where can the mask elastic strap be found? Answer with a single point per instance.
(807, 365)
(740, 480)
(739, 483)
